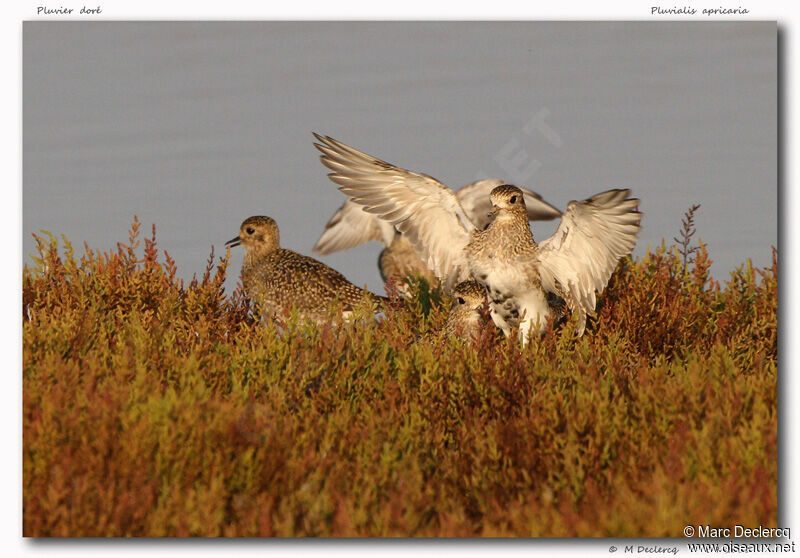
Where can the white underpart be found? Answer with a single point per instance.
(534, 312)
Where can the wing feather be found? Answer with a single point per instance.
(351, 226)
(424, 210)
(580, 257)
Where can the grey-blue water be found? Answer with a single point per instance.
(195, 126)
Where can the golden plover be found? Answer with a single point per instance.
(464, 320)
(399, 261)
(276, 279)
(351, 226)
(575, 263)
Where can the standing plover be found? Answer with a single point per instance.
(574, 263)
(351, 225)
(276, 279)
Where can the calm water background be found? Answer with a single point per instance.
(195, 126)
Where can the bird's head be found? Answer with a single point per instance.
(466, 314)
(258, 234)
(468, 296)
(507, 199)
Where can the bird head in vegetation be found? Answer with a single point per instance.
(464, 320)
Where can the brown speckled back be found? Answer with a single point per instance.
(277, 279)
(286, 279)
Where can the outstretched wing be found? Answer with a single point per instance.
(351, 226)
(423, 209)
(582, 254)
(474, 198)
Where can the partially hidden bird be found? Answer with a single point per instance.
(464, 321)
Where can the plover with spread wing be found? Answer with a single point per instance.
(351, 225)
(276, 279)
(575, 263)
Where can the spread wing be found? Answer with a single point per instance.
(582, 254)
(423, 209)
(474, 198)
(351, 226)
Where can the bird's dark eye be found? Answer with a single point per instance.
(461, 300)
(250, 230)
(513, 199)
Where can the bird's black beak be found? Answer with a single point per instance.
(235, 241)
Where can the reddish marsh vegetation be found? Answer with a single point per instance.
(158, 408)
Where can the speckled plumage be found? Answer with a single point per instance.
(464, 320)
(575, 263)
(352, 225)
(277, 279)
(399, 261)
(494, 255)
